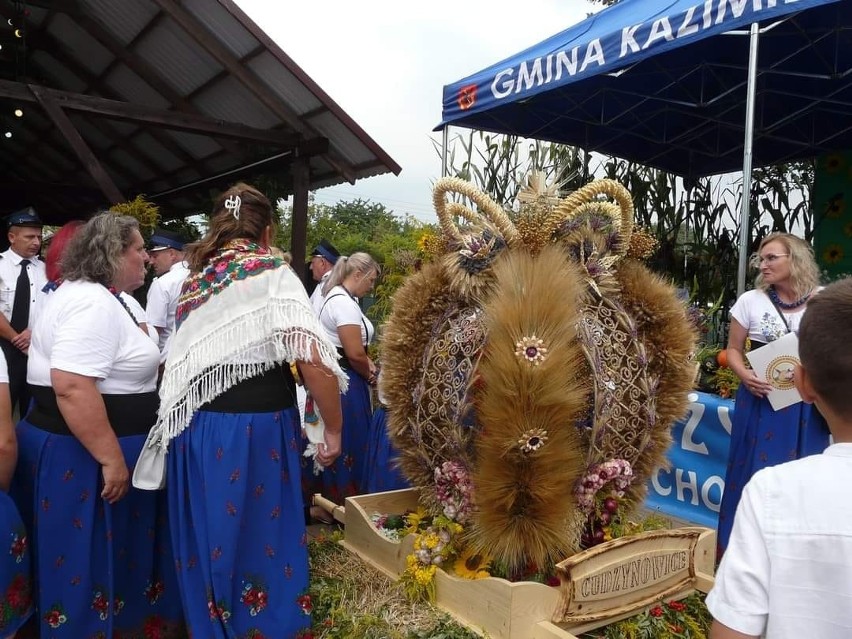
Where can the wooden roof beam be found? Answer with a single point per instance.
(84, 153)
(56, 48)
(246, 77)
(138, 113)
(145, 71)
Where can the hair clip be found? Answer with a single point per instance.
(233, 205)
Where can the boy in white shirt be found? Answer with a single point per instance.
(787, 571)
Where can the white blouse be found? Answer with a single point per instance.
(84, 329)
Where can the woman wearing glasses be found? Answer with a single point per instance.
(761, 436)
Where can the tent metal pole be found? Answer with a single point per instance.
(445, 143)
(748, 144)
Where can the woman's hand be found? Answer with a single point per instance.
(329, 450)
(757, 386)
(116, 480)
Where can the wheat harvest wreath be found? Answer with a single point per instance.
(533, 370)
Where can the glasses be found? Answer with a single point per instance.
(771, 258)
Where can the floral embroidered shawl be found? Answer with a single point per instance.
(243, 313)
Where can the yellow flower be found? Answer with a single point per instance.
(414, 520)
(832, 254)
(848, 229)
(425, 575)
(431, 540)
(472, 565)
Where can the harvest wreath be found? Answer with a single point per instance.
(532, 372)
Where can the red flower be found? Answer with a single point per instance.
(305, 604)
(656, 611)
(153, 628)
(677, 606)
(18, 593)
(19, 547)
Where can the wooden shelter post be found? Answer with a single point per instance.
(299, 238)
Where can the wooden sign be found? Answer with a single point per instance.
(630, 573)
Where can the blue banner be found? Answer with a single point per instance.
(692, 488)
(613, 39)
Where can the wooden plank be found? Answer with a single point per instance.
(78, 144)
(119, 110)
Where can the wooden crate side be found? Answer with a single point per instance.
(363, 539)
(499, 608)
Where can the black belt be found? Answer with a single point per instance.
(343, 361)
(268, 392)
(755, 345)
(130, 414)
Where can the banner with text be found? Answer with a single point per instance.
(692, 488)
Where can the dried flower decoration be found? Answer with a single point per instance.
(532, 440)
(478, 251)
(531, 349)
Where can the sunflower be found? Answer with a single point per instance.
(835, 206)
(834, 163)
(472, 565)
(847, 229)
(832, 254)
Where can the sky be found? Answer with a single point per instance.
(385, 63)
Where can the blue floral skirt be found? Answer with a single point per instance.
(101, 570)
(239, 536)
(16, 596)
(762, 437)
(347, 475)
(382, 473)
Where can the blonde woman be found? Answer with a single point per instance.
(350, 331)
(760, 436)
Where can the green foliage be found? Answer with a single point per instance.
(361, 225)
(685, 619)
(185, 226)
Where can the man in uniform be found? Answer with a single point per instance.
(167, 258)
(22, 276)
(323, 259)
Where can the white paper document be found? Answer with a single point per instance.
(776, 363)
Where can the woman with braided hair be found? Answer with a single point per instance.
(229, 420)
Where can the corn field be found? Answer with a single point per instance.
(695, 221)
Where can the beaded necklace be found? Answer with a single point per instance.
(117, 294)
(773, 295)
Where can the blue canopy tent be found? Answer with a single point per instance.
(667, 83)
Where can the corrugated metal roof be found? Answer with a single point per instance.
(164, 94)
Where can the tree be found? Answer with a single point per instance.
(361, 225)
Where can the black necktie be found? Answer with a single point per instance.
(21, 308)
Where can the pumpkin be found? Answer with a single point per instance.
(722, 358)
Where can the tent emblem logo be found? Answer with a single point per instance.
(467, 97)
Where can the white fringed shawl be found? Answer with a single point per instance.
(243, 314)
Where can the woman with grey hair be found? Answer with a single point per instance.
(103, 563)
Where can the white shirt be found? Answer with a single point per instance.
(84, 329)
(317, 298)
(163, 296)
(787, 570)
(755, 312)
(4, 369)
(341, 309)
(10, 269)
